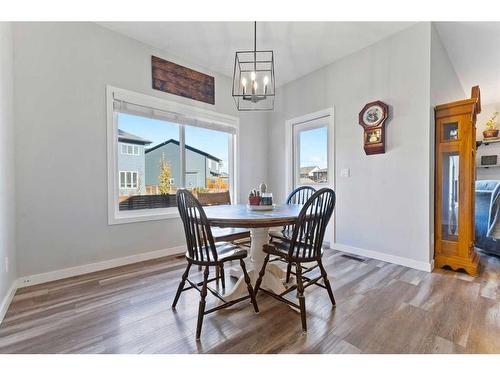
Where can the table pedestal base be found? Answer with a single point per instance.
(273, 278)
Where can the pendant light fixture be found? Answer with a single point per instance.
(254, 79)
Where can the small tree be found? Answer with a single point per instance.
(165, 176)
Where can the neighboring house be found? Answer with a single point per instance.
(131, 166)
(305, 171)
(320, 175)
(313, 174)
(199, 165)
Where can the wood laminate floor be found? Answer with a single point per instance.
(381, 308)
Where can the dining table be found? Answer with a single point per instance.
(259, 223)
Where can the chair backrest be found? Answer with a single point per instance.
(214, 199)
(300, 195)
(309, 230)
(199, 239)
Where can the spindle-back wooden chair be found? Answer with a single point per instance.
(224, 234)
(305, 246)
(202, 250)
(299, 195)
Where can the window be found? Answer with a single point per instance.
(216, 147)
(128, 180)
(310, 155)
(128, 149)
(310, 149)
(174, 146)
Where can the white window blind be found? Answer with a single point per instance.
(124, 106)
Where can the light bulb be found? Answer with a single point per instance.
(266, 80)
(255, 85)
(252, 76)
(243, 81)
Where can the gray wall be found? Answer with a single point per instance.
(384, 205)
(7, 171)
(61, 70)
(445, 87)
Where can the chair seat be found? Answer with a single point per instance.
(282, 248)
(225, 252)
(229, 234)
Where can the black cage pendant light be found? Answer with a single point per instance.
(254, 79)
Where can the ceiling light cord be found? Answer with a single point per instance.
(255, 46)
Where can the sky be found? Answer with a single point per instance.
(313, 148)
(210, 141)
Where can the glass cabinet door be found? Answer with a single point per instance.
(450, 196)
(450, 131)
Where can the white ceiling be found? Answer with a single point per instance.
(299, 47)
(474, 50)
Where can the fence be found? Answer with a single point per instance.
(143, 202)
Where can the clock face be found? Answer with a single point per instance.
(373, 115)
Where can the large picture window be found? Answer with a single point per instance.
(156, 147)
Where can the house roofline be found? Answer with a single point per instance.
(187, 147)
(126, 137)
(134, 142)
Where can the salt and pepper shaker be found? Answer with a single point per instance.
(260, 196)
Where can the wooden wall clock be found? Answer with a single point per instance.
(372, 118)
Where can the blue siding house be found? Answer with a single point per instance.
(131, 166)
(199, 165)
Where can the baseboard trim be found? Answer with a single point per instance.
(94, 267)
(407, 262)
(7, 300)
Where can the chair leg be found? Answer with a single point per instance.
(327, 282)
(217, 274)
(288, 271)
(261, 275)
(249, 285)
(201, 309)
(181, 285)
(221, 276)
(300, 296)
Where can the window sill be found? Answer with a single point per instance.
(137, 216)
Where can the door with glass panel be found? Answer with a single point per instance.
(312, 154)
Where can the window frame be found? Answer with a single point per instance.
(132, 173)
(193, 114)
(298, 128)
(291, 155)
(134, 147)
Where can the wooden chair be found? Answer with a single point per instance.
(305, 246)
(299, 195)
(223, 234)
(202, 251)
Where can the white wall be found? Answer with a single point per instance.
(384, 206)
(445, 84)
(61, 70)
(7, 175)
(445, 87)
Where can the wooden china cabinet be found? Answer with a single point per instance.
(455, 184)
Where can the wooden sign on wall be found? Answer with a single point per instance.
(179, 80)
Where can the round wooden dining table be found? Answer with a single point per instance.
(259, 223)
